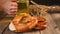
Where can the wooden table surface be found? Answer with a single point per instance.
(51, 29)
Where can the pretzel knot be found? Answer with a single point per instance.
(25, 22)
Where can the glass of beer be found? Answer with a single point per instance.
(23, 6)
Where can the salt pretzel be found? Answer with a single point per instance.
(41, 23)
(21, 27)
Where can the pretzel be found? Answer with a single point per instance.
(23, 26)
(41, 25)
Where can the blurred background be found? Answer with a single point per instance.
(48, 2)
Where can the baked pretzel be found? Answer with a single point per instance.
(35, 22)
(41, 23)
(19, 26)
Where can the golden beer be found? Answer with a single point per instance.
(23, 6)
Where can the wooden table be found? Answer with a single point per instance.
(51, 29)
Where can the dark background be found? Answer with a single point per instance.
(47, 2)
